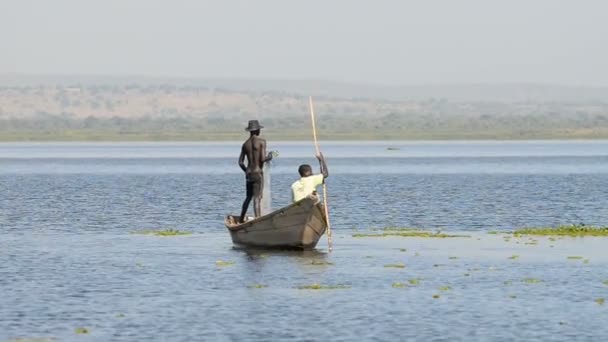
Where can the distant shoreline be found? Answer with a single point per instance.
(77, 136)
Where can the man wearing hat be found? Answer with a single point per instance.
(254, 149)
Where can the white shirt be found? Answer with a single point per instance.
(305, 186)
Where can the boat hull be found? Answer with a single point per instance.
(299, 225)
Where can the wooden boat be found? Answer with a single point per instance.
(299, 225)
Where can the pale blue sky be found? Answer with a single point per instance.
(382, 41)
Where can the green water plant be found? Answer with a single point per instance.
(605, 282)
(531, 280)
(317, 286)
(81, 331)
(222, 263)
(445, 288)
(163, 232)
(575, 257)
(321, 263)
(406, 232)
(398, 285)
(600, 301)
(568, 230)
(414, 281)
(436, 296)
(258, 286)
(398, 265)
(514, 256)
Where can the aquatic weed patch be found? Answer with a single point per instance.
(258, 286)
(163, 232)
(531, 281)
(575, 257)
(317, 286)
(81, 331)
(321, 263)
(398, 265)
(223, 263)
(600, 301)
(407, 232)
(570, 230)
(414, 281)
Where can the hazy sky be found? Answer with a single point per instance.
(379, 41)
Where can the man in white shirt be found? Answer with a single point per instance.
(308, 182)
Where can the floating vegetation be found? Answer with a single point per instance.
(494, 232)
(392, 148)
(164, 232)
(402, 250)
(507, 282)
(435, 296)
(445, 288)
(512, 296)
(398, 285)
(575, 257)
(414, 281)
(399, 265)
(600, 301)
(407, 232)
(453, 257)
(317, 286)
(120, 315)
(514, 256)
(586, 261)
(531, 280)
(605, 282)
(257, 286)
(321, 263)
(466, 274)
(81, 330)
(222, 263)
(571, 230)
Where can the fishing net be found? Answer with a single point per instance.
(266, 205)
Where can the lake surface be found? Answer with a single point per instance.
(68, 258)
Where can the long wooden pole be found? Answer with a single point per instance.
(314, 136)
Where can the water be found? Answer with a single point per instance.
(68, 260)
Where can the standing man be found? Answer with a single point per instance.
(254, 149)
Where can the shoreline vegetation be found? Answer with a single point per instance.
(85, 111)
(166, 136)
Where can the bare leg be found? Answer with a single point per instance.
(257, 205)
(245, 207)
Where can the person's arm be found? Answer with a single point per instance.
(242, 160)
(265, 157)
(323, 165)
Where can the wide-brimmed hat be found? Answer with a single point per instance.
(253, 125)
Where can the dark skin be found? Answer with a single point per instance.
(254, 150)
(322, 165)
